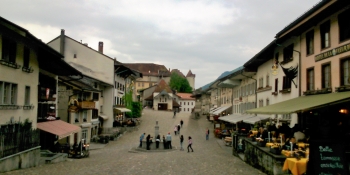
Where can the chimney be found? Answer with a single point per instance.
(100, 47)
(62, 42)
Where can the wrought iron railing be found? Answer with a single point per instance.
(14, 140)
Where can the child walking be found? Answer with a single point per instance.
(189, 144)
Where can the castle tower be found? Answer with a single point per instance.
(191, 79)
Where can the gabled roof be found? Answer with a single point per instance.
(175, 104)
(121, 70)
(149, 69)
(322, 10)
(190, 74)
(162, 85)
(58, 37)
(185, 96)
(264, 55)
(177, 71)
(49, 59)
(303, 16)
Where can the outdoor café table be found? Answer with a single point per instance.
(302, 145)
(286, 153)
(297, 167)
(269, 144)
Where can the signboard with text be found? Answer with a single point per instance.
(327, 157)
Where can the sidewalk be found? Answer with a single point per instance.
(94, 145)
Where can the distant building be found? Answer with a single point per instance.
(185, 101)
(159, 97)
(152, 74)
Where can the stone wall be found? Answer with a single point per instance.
(25, 159)
(261, 158)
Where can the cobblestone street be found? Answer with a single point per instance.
(209, 156)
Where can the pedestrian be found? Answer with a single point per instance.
(148, 141)
(174, 113)
(168, 140)
(175, 129)
(181, 142)
(189, 144)
(141, 138)
(207, 134)
(157, 141)
(181, 122)
(178, 129)
(164, 143)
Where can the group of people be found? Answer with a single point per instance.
(167, 139)
(290, 135)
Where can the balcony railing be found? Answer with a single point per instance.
(10, 107)
(10, 64)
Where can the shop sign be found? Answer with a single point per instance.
(327, 157)
(333, 52)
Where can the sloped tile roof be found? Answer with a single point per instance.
(177, 71)
(162, 85)
(190, 74)
(149, 69)
(175, 104)
(185, 96)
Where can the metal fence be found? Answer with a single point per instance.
(14, 140)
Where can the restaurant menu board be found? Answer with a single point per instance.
(327, 158)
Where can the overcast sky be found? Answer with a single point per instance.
(206, 37)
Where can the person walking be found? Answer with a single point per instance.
(178, 129)
(181, 142)
(141, 138)
(174, 113)
(181, 123)
(207, 134)
(168, 140)
(189, 144)
(157, 141)
(175, 129)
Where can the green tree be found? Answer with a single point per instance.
(135, 107)
(179, 83)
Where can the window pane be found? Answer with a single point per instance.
(27, 96)
(346, 73)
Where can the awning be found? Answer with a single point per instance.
(217, 112)
(58, 127)
(255, 119)
(105, 117)
(212, 111)
(234, 118)
(303, 103)
(122, 109)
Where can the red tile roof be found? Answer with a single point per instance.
(185, 96)
(190, 74)
(149, 69)
(162, 85)
(177, 71)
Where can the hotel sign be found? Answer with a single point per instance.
(333, 52)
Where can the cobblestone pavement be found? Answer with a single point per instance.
(209, 156)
